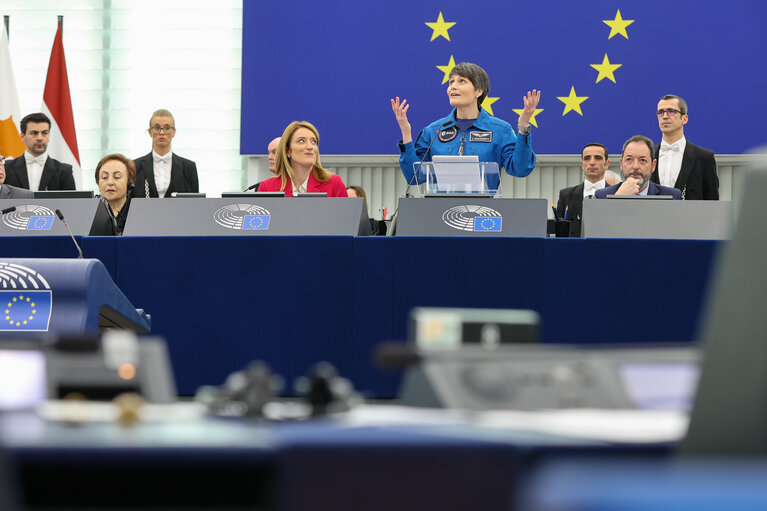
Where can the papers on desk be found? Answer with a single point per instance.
(613, 426)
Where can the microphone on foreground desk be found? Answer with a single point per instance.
(8, 210)
(61, 217)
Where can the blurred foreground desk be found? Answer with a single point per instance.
(373, 460)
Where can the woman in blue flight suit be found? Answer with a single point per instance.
(469, 129)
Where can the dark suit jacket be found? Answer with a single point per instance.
(12, 192)
(56, 175)
(697, 179)
(572, 199)
(653, 189)
(183, 176)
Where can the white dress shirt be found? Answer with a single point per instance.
(589, 188)
(670, 161)
(162, 166)
(35, 165)
(301, 188)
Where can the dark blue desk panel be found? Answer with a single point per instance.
(42, 246)
(466, 272)
(651, 290)
(222, 302)
(103, 248)
(372, 317)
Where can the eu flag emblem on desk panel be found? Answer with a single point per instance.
(488, 223)
(40, 223)
(255, 222)
(25, 310)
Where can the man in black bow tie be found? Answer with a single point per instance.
(594, 163)
(161, 172)
(683, 165)
(35, 170)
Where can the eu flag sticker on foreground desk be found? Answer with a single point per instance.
(25, 310)
(255, 222)
(488, 223)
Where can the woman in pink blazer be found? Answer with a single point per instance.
(298, 165)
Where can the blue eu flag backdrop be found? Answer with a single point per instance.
(602, 65)
(25, 310)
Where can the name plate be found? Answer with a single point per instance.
(676, 219)
(37, 217)
(467, 216)
(267, 216)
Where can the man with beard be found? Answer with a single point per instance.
(637, 165)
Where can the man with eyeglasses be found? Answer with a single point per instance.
(637, 164)
(35, 170)
(11, 192)
(683, 165)
(161, 172)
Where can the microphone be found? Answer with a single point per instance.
(251, 187)
(61, 217)
(112, 218)
(410, 183)
(8, 210)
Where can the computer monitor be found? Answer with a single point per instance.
(250, 195)
(64, 194)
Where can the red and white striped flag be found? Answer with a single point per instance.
(57, 105)
(10, 113)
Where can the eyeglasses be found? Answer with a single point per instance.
(669, 111)
(165, 129)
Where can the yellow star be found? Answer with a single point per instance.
(14, 299)
(572, 102)
(606, 69)
(21, 297)
(34, 311)
(27, 298)
(487, 102)
(618, 25)
(440, 28)
(25, 321)
(33, 304)
(519, 111)
(446, 69)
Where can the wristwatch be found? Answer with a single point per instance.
(524, 128)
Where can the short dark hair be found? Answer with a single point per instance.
(476, 75)
(594, 144)
(682, 103)
(129, 164)
(640, 138)
(35, 117)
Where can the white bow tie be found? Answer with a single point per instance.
(590, 188)
(669, 147)
(35, 159)
(162, 159)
